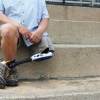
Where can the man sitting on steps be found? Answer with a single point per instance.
(25, 20)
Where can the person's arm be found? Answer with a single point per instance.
(37, 34)
(43, 26)
(44, 19)
(4, 19)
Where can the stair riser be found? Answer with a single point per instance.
(74, 32)
(68, 62)
(74, 13)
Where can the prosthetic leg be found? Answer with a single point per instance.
(5, 67)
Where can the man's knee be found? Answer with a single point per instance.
(8, 31)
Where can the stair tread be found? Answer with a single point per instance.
(51, 88)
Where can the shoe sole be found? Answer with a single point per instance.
(11, 83)
(2, 86)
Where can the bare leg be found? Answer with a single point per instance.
(9, 38)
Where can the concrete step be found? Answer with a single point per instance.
(74, 13)
(74, 32)
(69, 61)
(80, 89)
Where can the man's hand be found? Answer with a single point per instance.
(35, 37)
(24, 31)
